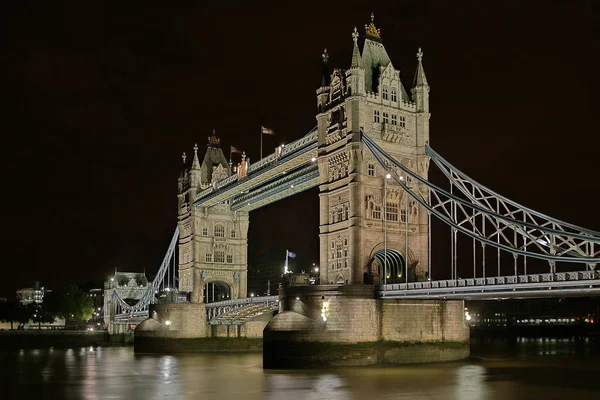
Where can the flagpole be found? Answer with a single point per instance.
(261, 132)
(286, 257)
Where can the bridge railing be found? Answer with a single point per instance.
(584, 280)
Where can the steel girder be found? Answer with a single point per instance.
(148, 296)
(474, 217)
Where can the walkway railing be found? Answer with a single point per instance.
(580, 283)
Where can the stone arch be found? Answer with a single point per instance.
(216, 290)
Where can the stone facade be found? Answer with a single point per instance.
(213, 241)
(356, 205)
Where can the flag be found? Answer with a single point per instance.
(267, 131)
(235, 150)
(290, 254)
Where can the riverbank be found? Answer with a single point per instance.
(61, 339)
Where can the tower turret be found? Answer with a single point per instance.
(420, 89)
(356, 74)
(323, 90)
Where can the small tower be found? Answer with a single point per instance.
(323, 90)
(420, 89)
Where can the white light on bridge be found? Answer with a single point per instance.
(313, 159)
(467, 316)
(388, 176)
(167, 322)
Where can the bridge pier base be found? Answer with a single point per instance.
(336, 326)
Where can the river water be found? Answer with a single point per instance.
(517, 369)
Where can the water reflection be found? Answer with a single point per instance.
(518, 369)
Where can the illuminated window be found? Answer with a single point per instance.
(376, 212)
(376, 116)
(403, 215)
(204, 231)
(391, 212)
(229, 258)
(219, 231)
(386, 118)
(394, 119)
(208, 257)
(233, 233)
(219, 256)
(371, 169)
(385, 93)
(394, 95)
(403, 122)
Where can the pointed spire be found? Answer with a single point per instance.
(356, 59)
(325, 78)
(420, 78)
(195, 162)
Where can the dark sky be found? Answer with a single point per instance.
(103, 99)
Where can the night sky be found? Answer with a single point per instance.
(103, 99)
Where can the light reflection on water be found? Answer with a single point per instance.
(519, 369)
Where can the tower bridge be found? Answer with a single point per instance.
(370, 157)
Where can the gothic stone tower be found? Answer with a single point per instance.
(371, 97)
(212, 240)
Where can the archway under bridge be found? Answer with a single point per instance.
(216, 291)
(393, 263)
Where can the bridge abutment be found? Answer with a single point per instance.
(335, 326)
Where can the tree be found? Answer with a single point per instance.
(71, 303)
(14, 311)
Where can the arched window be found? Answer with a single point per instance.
(385, 93)
(233, 233)
(394, 95)
(219, 231)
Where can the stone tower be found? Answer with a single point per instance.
(364, 217)
(212, 240)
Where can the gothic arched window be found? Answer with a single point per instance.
(385, 93)
(219, 231)
(394, 95)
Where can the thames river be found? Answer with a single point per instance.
(517, 369)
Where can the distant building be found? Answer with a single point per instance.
(32, 295)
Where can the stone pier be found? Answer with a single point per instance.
(334, 326)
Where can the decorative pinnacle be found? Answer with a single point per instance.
(183, 156)
(325, 56)
(195, 148)
(372, 29)
(419, 55)
(355, 35)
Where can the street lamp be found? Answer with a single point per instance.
(387, 176)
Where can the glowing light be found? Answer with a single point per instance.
(388, 176)
(297, 298)
(467, 316)
(167, 322)
(313, 159)
(401, 178)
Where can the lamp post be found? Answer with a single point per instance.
(387, 176)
